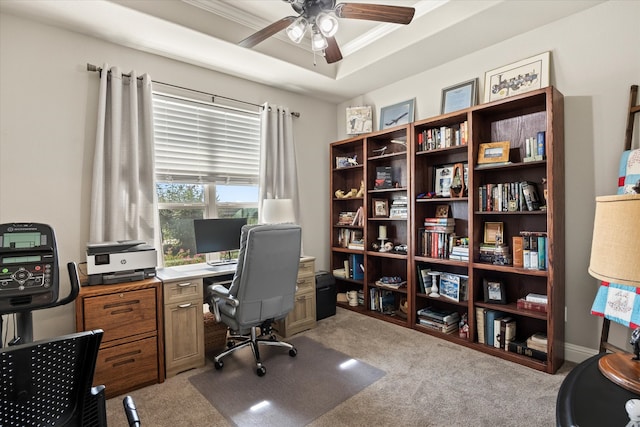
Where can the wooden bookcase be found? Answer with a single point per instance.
(513, 119)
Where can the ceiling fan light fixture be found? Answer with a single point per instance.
(327, 23)
(318, 42)
(296, 30)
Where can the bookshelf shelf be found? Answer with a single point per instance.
(437, 143)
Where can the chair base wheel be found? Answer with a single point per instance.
(218, 365)
(261, 371)
(293, 352)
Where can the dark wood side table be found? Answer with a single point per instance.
(587, 398)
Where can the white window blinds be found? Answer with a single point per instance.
(197, 142)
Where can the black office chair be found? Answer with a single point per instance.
(48, 382)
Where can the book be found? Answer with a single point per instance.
(505, 332)
(480, 324)
(538, 341)
(357, 262)
(517, 244)
(533, 306)
(530, 195)
(446, 316)
(383, 177)
(540, 146)
(542, 252)
(539, 298)
(490, 317)
(533, 252)
(526, 251)
(520, 347)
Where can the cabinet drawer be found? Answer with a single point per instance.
(182, 290)
(122, 314)
(306, 268)
(305, 284)
(127, 366)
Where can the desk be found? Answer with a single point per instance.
(587, 398)
(183, 288)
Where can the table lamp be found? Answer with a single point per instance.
(278, 211)
(615, 259)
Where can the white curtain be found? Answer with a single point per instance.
(278, 171)
(123, 198)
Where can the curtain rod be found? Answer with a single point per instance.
(95, 68)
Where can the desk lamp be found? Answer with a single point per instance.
(278, 211)
(615, 259)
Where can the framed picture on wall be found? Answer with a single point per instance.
(516, 78)
(460, 96)
(397, 114)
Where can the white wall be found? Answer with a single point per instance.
(595, 59)
(47, 128)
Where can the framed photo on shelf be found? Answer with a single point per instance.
(493, 232)
(442, 211)
(494, 291)
(397, 114)
(493, 152)
(359, 120)
(380, 208)
(442, 180)
(460, 96)
(516, 78)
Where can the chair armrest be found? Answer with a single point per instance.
(131, 411)
(216, 293)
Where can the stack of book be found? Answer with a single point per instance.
(459, 253)
(538, 342)
(346, 218)
(445, 321)
(398, 208)
(535, 346)
(535, 302)
(435, 237)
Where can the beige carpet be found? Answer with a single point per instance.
(295, 390)
(428, 382)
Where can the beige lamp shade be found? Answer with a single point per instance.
(615, 250)
(277, 211)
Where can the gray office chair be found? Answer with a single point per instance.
(263, 289)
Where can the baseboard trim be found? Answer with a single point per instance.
(577, 353)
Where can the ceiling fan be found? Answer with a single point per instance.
(320, 16)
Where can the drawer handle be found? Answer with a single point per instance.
(119, 356)
(120, 304)
(300, 282)
(124, 362)
(189, 304)
(184, 285)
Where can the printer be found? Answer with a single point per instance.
(121, 261)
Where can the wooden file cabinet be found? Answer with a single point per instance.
(303, 315)
(131, 354)
(184, 325)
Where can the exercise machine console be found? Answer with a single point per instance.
(29, 274)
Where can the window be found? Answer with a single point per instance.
(207, 162)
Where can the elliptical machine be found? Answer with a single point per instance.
(29, 275)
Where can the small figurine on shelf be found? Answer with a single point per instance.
(463, 330)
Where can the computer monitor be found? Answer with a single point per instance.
(218, 235)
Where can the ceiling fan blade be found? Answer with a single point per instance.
(375, 12)
(267, 32)
(332, 52)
